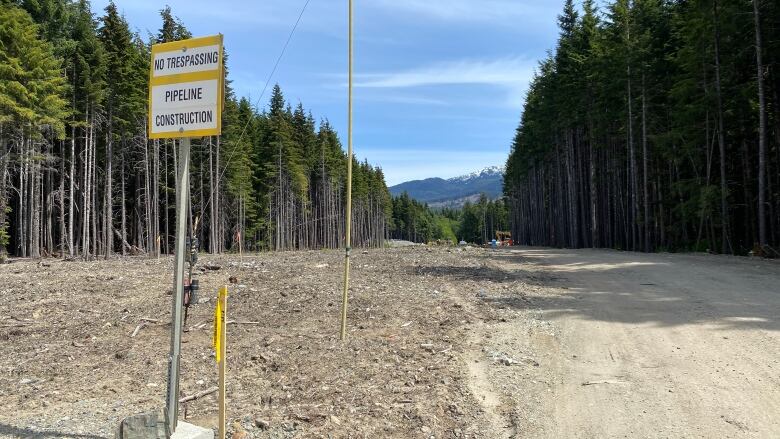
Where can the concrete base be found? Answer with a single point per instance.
(189, 431)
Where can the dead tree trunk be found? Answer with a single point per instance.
(724, 211)
(762, 232)
(646, 216)
(108, 208)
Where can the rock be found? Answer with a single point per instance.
(335, 420)
(425, 429)
(146, 426)
(238, 431)
(502, 358)
(25, 381)
(185, 430)
(262, 424)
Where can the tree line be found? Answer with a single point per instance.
(654, 125)
(80, 178)
(474, 222)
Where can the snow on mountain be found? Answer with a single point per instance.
(486, 172)
(454, 191)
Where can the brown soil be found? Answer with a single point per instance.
(71, 368)
(444, 343)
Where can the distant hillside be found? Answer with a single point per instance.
(453, 192)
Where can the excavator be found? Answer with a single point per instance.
(504, 238)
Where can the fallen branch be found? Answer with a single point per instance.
(232, 322)
(137, 329)
(131, 248)
(13, 317)
(196, 327)
(198, 395)
(592, 383)
(147, 319)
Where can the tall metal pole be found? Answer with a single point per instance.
(182, 195)
(348, 238)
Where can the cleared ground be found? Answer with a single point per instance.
(442, 343)
(654, 346)
(70, 367)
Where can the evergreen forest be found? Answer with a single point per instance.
(80, 178)
(474, 223)
(653, 125)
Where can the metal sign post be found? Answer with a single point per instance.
(186, 89)
(177, 315)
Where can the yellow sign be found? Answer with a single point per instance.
(219, 323)
(186, 88)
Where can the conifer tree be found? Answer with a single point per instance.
(73, 147)
(32, 110)
(641, 131)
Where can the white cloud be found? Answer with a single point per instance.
(469, 10)
(394, 98)
(506, 71)
(512, 74)
(232, 15)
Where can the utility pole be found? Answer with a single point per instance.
(348, 238)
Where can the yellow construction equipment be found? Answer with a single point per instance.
(504, 238)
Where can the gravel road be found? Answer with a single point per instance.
(443, 343)
(652, 345)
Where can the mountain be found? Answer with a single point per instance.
(453, 192)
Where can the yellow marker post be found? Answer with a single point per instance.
(220, 352)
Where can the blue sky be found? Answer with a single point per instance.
(439, 84)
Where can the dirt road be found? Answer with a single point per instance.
(443, 343)
(650, 346)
